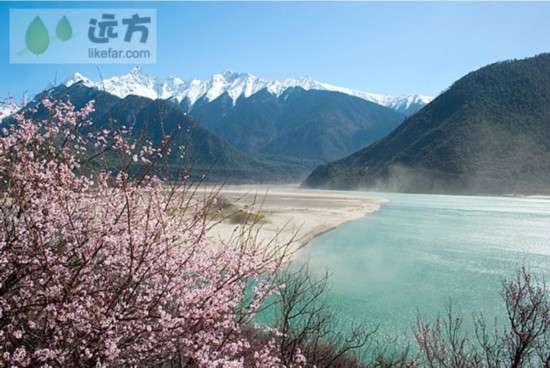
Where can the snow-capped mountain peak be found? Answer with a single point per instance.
(6, 110)
(233, 83)
(77, 77)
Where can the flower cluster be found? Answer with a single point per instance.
(105, 270)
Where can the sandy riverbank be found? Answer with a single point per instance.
(293, 214)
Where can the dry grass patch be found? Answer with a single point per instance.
(224, 210)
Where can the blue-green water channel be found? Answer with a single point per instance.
(420, 252)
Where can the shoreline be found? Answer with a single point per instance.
(293, 215)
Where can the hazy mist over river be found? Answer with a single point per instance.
(421, 251)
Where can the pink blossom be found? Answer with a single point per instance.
(103, 271)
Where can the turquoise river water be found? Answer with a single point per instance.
(420, 252)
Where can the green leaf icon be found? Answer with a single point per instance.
(37, 37)
(64, 31)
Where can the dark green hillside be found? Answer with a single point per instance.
(488, 133)
(206, 152)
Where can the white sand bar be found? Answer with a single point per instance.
(292, 213)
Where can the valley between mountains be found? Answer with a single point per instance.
(487, 133)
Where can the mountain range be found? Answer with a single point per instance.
(304, 124)
(236, 85)
(241, 127)
(294, 119)
(488, 133)
(159, 120)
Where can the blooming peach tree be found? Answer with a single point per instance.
(105, 270)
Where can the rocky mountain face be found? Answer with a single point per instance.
(304, 124)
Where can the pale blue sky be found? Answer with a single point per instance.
(391, 48)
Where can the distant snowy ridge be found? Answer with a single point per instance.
(235, 84)
(7, 108)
